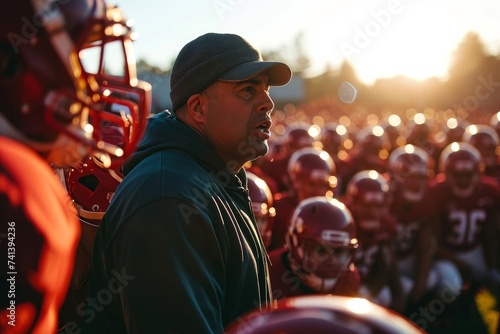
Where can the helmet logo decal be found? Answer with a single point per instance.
(464, 165)
(335, 237)
(318, 174)
(374, 196)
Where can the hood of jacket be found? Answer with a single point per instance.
(164, 131)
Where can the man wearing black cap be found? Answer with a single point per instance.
(179, 248)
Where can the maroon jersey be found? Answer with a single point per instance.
(373, 242)
(357, 163)
(286, 284)
(462, 219)
(277, 170)
(284, 204)
(410, 218)
(39, 236)
(493, 171)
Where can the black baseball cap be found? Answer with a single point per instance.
(226, 57)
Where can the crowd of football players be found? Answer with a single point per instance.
(401, 212)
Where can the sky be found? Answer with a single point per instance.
(379, 38)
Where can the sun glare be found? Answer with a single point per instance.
(414, 39)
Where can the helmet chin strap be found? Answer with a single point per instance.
(317, 283)
(87, 222)
(311, 280)
(464, 192)
(412, 196)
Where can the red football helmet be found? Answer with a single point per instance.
(321, 240)
(495, 122)
(262, 204)
(454, 129)
(485, 139)
(409, 172)
(66, 72)
(323, 314)
(297, 137)
(461, 163)
(371, 139)
(91, 188)
(370, 195)
(312, 173)
(419, 129)
(332, 137)
(393, 129)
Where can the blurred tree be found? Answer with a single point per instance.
(292, 54)
(473, 81)
(468, 56)
(143, 66)
(474, 77)
(302, 61)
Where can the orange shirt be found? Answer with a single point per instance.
(39, 236)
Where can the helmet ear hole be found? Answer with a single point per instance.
(10, 62)
(89, 181)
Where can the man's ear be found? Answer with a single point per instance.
(195, 107)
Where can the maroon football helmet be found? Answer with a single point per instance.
(321, 240)
(495, 122)
(323, 314)
(461, 163)
(419, 129)
(371, 140)
(66, 73)
(297, 137)
(311, 172)
(262, 204)
(332, 137)
(91, 188)
(409, 171)
(370, 195)
(454, 129)
(485, 139)
(393, 129)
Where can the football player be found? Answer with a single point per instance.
(53, 101)
(485, 139)
(318, 257)
(332, 137)
(311, 173)
(262, 205)
(369, 152)
(409, 171)
(369, 197)
(467, 213)
(91, 188)
(295, 138)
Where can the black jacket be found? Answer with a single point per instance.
(178, 250)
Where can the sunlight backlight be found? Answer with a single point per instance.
(314, 130)
(324, 155)
(378, 131)
(410, 149)
(408, 44)
(417, 40)
(359, 305)
(419, 118)
(341, 130)
(473, 129)
(452, 123)
(394, 120)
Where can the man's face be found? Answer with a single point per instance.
(238, 118)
